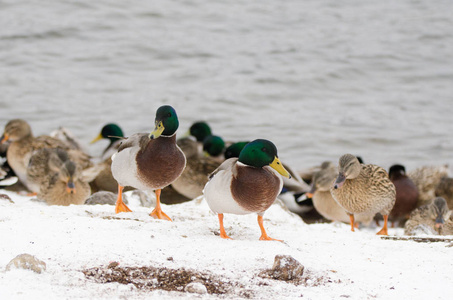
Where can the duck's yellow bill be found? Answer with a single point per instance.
(277, 165)
(157, 131)
(98, 138)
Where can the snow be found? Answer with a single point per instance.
(339, 264)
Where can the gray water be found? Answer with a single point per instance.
(318, 78)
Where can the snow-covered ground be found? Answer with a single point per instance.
(339, 264)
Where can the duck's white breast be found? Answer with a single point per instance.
(124, 168)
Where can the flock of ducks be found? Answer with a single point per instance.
(235, 178)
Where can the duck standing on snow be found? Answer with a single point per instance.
(56, 179)
(23, 143)
(150, 161)
(363, 188)
(323, 201)
(248, 184)
(433, 218)
(406, 194)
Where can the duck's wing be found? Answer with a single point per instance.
(226, 165)
(135, 140)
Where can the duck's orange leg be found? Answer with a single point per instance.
(120, 206)
(351, 218)
(157, 213)
(384, 230)
(223, 234)
(264, 236)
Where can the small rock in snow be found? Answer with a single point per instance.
(286, 268)
(104, 197)
(196, 288)
(26, 261)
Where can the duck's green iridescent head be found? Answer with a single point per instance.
(200, 130)
(260, 153)
(110, 131)
(234, 149)
(166, 122)
(213, 145)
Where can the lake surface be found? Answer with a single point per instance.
(318, 78)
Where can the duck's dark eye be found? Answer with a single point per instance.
(169, 115)
(264, 149)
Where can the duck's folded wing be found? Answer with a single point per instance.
(226, 165)
(135, 140)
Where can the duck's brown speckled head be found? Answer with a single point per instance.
(349, 167)
(15, 130)
(437, 211)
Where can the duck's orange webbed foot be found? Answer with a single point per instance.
(157, 213)
(120, 205)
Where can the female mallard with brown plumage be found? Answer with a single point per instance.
(56, 179)
(150, 161)
(363, 188)
(432, 218)
(23, 143)
(248, 184)
(323, 201)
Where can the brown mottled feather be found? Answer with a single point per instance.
(370, 192)
(426, 179)
(445, 190)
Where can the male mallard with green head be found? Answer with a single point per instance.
(114, 134)
(248, 184)
(361, 188)
(150, 161)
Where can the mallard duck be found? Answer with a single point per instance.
(113, 133)
(323, 201)
(361, 188)
(432, 218)
(150, 161)
(56, 179)
(105, 181)
(406, 194)
(23, 143)
(195, 175)
(248, 184)
(445, 190)
(427, 178)
(213, 146)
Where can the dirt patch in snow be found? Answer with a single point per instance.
(152, 278)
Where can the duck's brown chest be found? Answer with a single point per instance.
(160, 163)
(255, 189)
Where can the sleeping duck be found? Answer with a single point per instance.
(433, 218)
(248, 184)
(361, 188)
(150, 161)
(56, 179)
